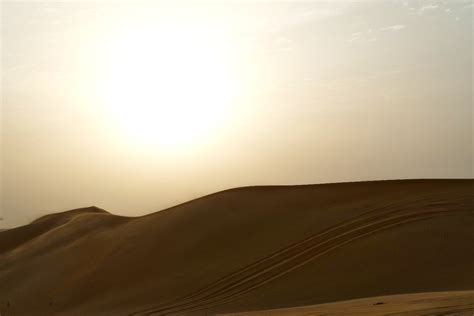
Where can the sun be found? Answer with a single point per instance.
(171, 82)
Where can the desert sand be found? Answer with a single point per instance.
(245, 249)
(435, 303)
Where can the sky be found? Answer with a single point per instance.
(138, 106)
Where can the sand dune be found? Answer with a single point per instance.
(254, 248)
(436, 303)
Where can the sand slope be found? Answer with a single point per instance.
(245, 249)
(435, 303)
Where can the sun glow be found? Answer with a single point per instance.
(170, 82)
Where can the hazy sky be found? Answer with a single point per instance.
(138, 106)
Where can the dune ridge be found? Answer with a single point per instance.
(244, 249)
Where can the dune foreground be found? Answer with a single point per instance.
(436, 303)
(253, 248)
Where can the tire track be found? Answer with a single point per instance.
(293, 247)
(232, 297)
(187, 301)
(294, 256)
(228, 296)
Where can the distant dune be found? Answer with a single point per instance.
(245, 249)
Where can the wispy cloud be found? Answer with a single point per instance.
(396, 27)
(371, 35)
(429, 7)
(321, 13)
